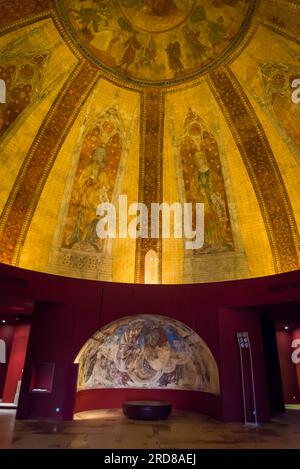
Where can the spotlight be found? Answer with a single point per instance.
(3, 321)
(286, 328)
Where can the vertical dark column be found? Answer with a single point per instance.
(273, 373)
(150, 178)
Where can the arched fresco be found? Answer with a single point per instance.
(147, 351)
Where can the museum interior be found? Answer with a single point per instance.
(112, 111)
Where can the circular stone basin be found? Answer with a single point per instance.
(147, 410)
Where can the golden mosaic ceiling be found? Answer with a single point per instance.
(159, 101)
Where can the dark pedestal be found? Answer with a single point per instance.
(147, 410)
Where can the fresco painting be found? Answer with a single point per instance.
(98, 98)
(156, 39)
(22, 76)
(204, 183)
(277, 82)
(147, 351)
(94, 181)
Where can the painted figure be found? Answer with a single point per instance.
(203, 181)
(278, 81)
(198, 49)
(174, 57)
(94, 182)
(93, 187)
(132, 46)
(217, 32)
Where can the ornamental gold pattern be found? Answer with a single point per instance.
(150, 178)
(17, 214)
(263, 170)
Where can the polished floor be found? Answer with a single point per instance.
(109, 429)
(292, 406)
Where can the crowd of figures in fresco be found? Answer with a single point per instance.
(157, 39)
(147, 351)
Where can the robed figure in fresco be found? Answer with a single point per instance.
(203, 182)
(94, 182)
(93, 187)
(277, 80)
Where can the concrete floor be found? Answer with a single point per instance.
(109, 429)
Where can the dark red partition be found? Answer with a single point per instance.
(68, 311)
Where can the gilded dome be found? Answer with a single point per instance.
(112, 112)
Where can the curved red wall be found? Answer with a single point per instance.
(16, 362)
(184, 400)
(6, 334)
(290, 371)
(68, 311)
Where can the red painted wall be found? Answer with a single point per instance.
(6, 334)
(291, 388)
(68, 311)
(296, 335)
(232, 321)
(184, 400)
(16, 362)
(58, 332)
